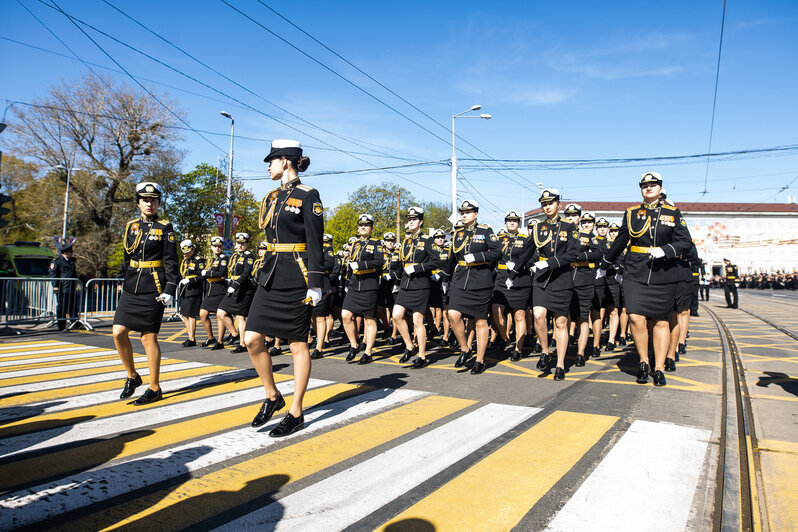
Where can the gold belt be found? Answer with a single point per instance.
(582, 264)
(695, 274)
(501, 266)
(214, 279)
(469, 264)
(364, 272)
(286, 248)
(146, 264)
(640, 249)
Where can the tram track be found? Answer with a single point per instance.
(773, 324)
(737, 499)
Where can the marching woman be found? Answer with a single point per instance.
(191, 284)
(323, 309)
(584, 277)
(474, 250)
(517, 297)
(151, 277)
(439, 322)
(419, 259)
(239, 294)
(289, 282)
(215, 288)
(366, 259)
(554, 241)
(657, 234)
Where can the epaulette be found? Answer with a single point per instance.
(163, 221)
(522, 235)
(483, 226)
(666, 206)
(304, 187)
(633, 207)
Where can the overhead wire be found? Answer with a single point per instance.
(715, 96)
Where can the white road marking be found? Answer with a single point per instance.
(7, 347)
(60, 369)
(9, 363)
(50, 348)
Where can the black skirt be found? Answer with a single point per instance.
(413, 300)
(324, 306)
(612, 295)
(211, 303)
(582, 301)
(435, 295)
(473, 303)
(386, 296)
(237, 304)
(190, 306)
(684, 297)
(652, 301)
(361, 303)
(280, 313)
(556, 301)
(139, 312)
(514, 298)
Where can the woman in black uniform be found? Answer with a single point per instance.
(239, 294)
(323, 308)
(290, 281)
(584, 278)
(191, 286)
(440, 324)
(151, 277)
(474, 250)
(657, 233)
(215, 288)
(366, 259)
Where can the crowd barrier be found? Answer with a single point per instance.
(102, 297)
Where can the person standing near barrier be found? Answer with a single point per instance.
(151, 278)
(191, 286)
(289, 283)
(730, 286)
(215, 289)
(63, 267)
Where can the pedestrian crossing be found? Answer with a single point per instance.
(73, 456)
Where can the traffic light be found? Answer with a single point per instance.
(4, 198)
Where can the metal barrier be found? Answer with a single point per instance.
(35, 300)
(101, 298)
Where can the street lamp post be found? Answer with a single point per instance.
(454, 153)
(228, 206)
(66, 197)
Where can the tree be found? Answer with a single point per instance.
(117, 135)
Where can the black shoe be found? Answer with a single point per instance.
(316, 354)
(580, 361)
(390, 341)
(477, 368)
(351, 355)
(130, 386)
(288, 425)
(365, 359)
(538, 348)
(677, 355)
(209, 342)
(642, 373)
(629, 337)
(543, 361)
(419, 363)
(682, 349)
(267, 410)
(515, 356)
(149, 396)
(406, 355)
(216, 346)
(687, 335)
(274, 351)
(670, 364)
(361, 346)
(231, 340)
(610, 347)
(269, 343)
(622, 341)
(189, 343)
(694, 314)
(491, 346)
(462, 359)
(659, 378)
(239, 349)
(325, 345)
(559, 374)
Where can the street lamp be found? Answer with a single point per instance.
(66, 198)
(228, 206)
(454, 154)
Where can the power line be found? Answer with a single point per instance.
(715, 96)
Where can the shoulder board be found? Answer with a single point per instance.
(669, 207)
(483, 226)
(633, 207)
(134, 220)
(164, 222)
(247, 252)
(522, 235)
(425, 237)
(304, 187)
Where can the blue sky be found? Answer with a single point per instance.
(563, 80)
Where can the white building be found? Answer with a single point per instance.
(758, 237)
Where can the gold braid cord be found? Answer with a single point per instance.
(404, 256)
(134, 247)
(463, 245)
(538, 243)
(271, 197)
(636, 234)
(184, 268)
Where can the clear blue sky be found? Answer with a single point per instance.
(563, 80)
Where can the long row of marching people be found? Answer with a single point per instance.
(476, 291)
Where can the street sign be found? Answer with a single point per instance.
(453, 219)
(228, 243)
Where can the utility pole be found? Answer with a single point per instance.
(398, 215)
(228, 206)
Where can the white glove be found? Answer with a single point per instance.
(619, 277)
(435, 277)
(387, 276)
(445, 287)
(510, 265)
(183, 281)
(204, 272)
(508, 283)
(469, 258)
(395, 289)
(166, 299)
(410, 269)
(353, 265)
(601, 273)
(230, 290)
(315, 296)
(656, 253)
(346, 289)
(541, 265)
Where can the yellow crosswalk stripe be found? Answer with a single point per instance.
(76, 373)
(55, 363)
(92, 454)
(506, 484)
(56, 419)
(200, 498)
(71, 391)
(176, 335)
(20, 346)
(71, 351)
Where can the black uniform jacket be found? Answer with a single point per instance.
(480, 241)
(419, 251)
(239, 269)
(646, 226)
(442, 252)
(370, 258)
(191, 269)
(62, 268)
(684, 263)
(732, 275)
(512, 246)
(556, 242)
(293, 214)
(589, 254)
(331, 269)
(150, 257)
(216, 275)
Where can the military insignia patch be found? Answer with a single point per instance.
(52, 265)
(318, 210)
(683, 222)
(171, 237)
